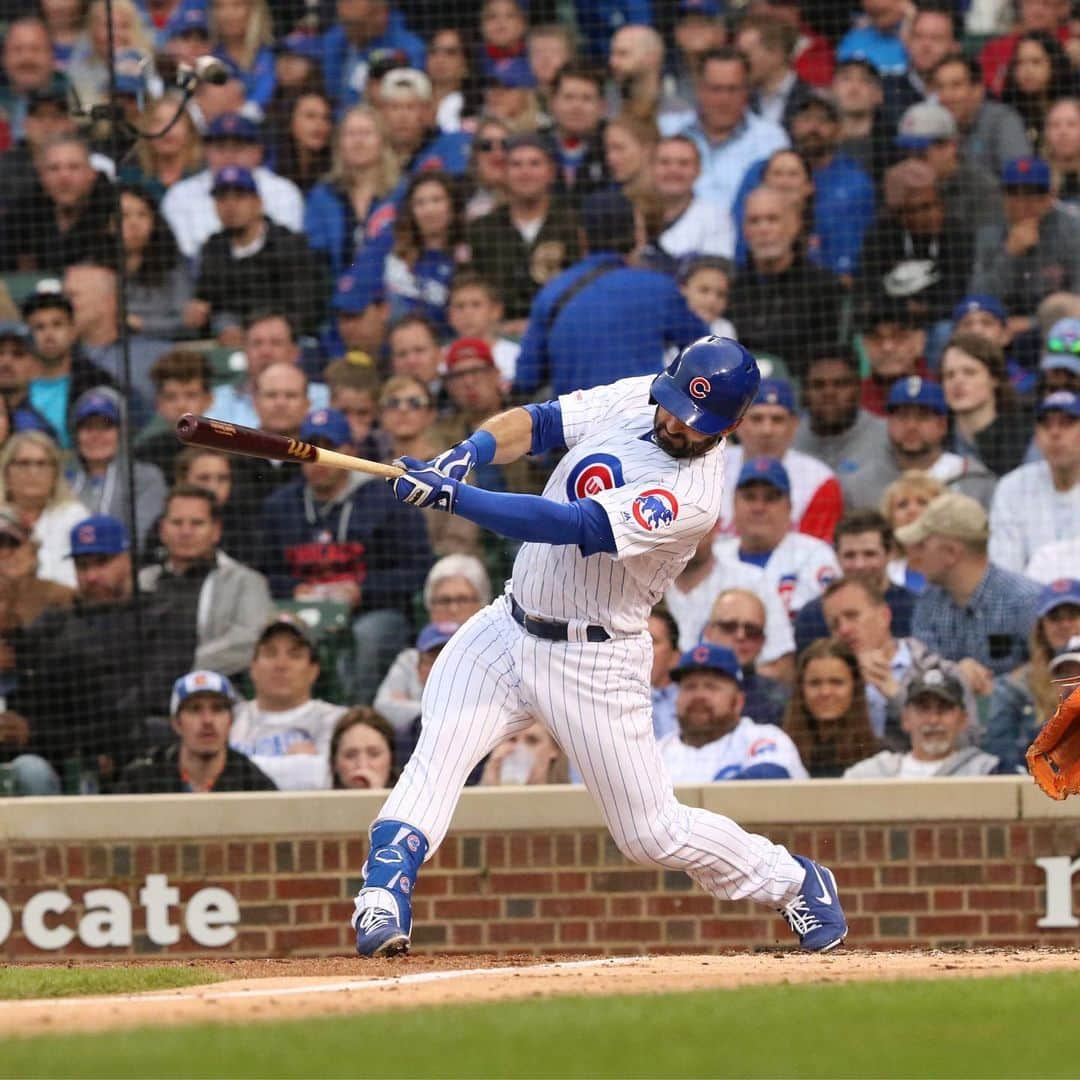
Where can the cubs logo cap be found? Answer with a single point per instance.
(980, 302)
(764, 470)
(95, 403)
(915, 390)
(1057, 593)
(325, 425)
(234, 178)
(938, 683)
(200, 682)
(708, 657)
(776, 392)
(233, 126)
(1030, 173)
(956, 516)
(435, 635)
(1063, 401)
(99, 535)
(357, 289)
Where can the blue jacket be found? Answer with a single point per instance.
(365, 536)
(259, 80)
(333, 229)
(618, 325)
(447, 151)
(843, 211)
(345, 67)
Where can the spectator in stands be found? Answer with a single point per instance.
(972, 611)
(333, 536)
(985, 315)
(65, 220)
(638, 86)
(511, 97)
(768, 43)
(879, 36)
(18, 365)
(159, 283)
(576, 136)
(628, 147)
(716, 740)
(834, 428)
(32, 483)
(1025, 698)
(1039, 503)
(813, 55)
(455, 589)
(1060, 364)
(1038, 75)
(242, 32)
(252, 262)
(182, 385)
(358, 197)
(405, 101)
(767, 431)
(532, 236)
(988, 424)
(354, 392)
(475, 310)
(46, 117)
(917, 426)
(1040, 253)
(729, 136)
(200, 760)
(664, 632)
(863, 543)
(699, 30)
(216, 603)
(937, 723)
(452, 83)
(865, 132)
(92, 291)
(65, 373)
(503, 24)
(28, 69)
(189, 207)
(827, 717)
(931, 37)
(1033, 16)
(705, 282)
(991, 134)
(531, 756)
(903, 501)
(738, 622)
(769, 299)
(549, 46)
(88, 69)
(689, 224)
(99, 475)
(414, 351)
(603, 318)
(159, 163)
(796, 565)
(304, 151)
(362, 751)
(487, 167)
(894, 342)
(1061, 149)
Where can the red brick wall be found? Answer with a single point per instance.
(902, 885)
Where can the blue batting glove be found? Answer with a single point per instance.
(423, 486)
(457, 462)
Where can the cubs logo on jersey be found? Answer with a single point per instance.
(592, 474)
(655, 509)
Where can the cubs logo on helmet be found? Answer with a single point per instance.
(592, 474)
(699, 387)
(655, 509)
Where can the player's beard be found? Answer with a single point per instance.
(678, 445)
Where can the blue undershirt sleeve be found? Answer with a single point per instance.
(536, 519)
(547, 433)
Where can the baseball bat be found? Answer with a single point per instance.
(237, 439)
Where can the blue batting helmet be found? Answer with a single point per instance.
(709, 385)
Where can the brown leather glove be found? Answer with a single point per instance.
(1053, 759)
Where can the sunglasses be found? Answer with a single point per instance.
(734, 627)
(485, 146)
(406, 403)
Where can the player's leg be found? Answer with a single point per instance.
(596, 701)
(469, 704)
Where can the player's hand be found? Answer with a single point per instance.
(423, 486)
(457, 462)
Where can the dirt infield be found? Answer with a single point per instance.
(278, 989)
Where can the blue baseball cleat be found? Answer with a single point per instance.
(382, 922)
(815, 914)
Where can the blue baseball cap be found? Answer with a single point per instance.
(233, 126)
(357, 291)
(708, 657)
(776, 392)
(94, 403)
(200, 682)
(512, 73)
(188, 21)
(435, 635)
(99, 534)
(915, 390)
(1062, 591)
(764, 470)
(980, 302)
(1026, 172)
(10, 330)
(326, 425)
(1061, 401)
(1062, 349)
(234, 178)
(707, 9)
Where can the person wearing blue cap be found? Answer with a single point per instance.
(1039, 503)
(978, 313)
(917, 425)
(188, 206)
(242, 33)
(715, 741)
(1060, 363)
(200, 759)
(797, 566)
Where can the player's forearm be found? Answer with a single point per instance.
(512, 431)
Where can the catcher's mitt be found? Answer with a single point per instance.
(1053, 759)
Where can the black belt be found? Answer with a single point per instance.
(552, 630)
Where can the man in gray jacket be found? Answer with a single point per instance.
(917, 425)
(227, 603)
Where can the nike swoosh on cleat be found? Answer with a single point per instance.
(824, 898)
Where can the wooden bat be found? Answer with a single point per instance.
(237, 439)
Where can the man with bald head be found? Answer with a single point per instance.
(769, 301)
(638, 85)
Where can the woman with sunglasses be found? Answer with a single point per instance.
(487, 168)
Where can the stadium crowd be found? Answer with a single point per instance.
(385, 223)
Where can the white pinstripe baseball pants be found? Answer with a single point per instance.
(493, 679)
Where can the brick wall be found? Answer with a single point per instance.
(567, 890)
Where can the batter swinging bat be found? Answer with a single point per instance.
(237, 439)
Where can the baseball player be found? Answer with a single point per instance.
(567, 643)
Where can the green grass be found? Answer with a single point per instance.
(51, 982)
(961, 1028)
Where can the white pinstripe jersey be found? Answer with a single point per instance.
(659, 507)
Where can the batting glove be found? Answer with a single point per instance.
(457, 462)
(423, 486)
